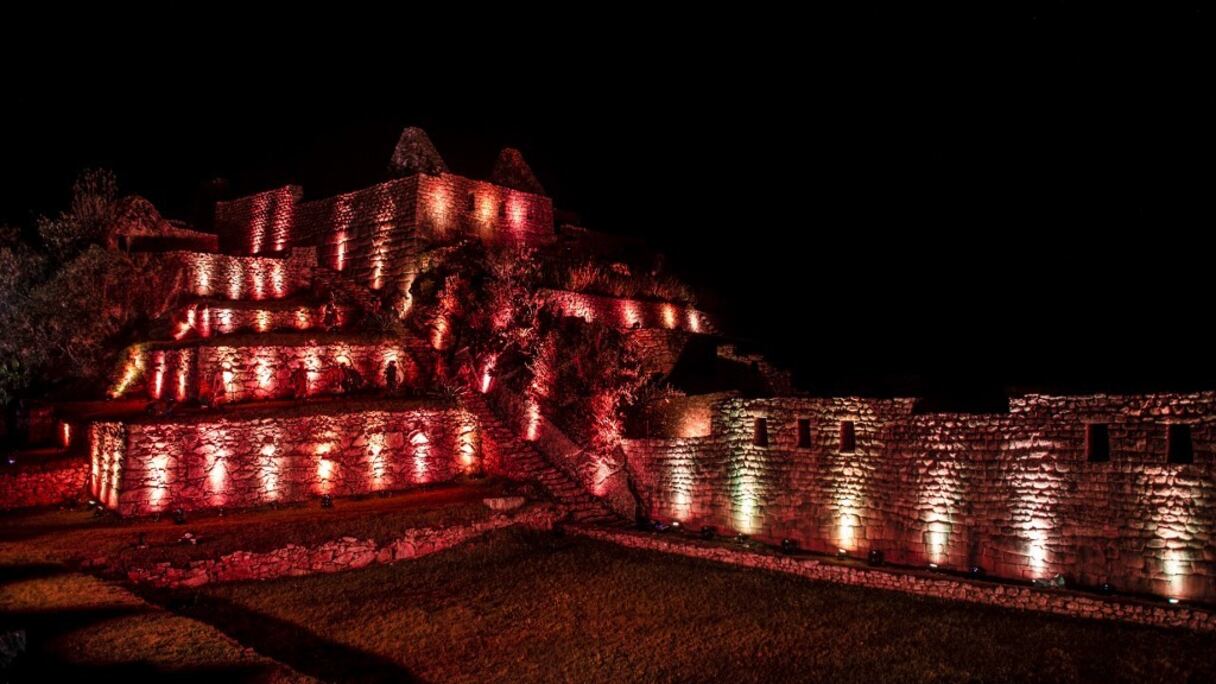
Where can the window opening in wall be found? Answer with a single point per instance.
(848, 437)
(804, 433)
(760, 432)
(1097, 443)
(1178, 444)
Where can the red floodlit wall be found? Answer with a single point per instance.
(1013, 493)
(258, 224)
(658, 350)
(150, 467)
(247, 371)
(450, 205)
(248, 277)
(42, 483)
(628, 314)
(209, 318)
(374, 235)
(371, 236)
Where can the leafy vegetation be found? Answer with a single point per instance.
(619, 280)
(68, 305)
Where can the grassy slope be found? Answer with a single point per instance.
(521, 607)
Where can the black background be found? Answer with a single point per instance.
(889, 202)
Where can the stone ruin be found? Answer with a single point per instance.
(1100, 489)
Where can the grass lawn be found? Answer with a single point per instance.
(80, 628)
(66, 536)
(521, 606)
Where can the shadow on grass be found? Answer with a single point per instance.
(286, 642)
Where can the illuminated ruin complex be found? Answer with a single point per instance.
(248, 405)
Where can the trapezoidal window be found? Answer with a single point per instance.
(1178, 444)
(1097, 443)
(804, 433)
(848, 437)
(760, 432)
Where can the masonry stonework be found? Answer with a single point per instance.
(1014, 494)
(155, 466)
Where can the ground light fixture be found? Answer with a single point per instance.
(708, 532)
(875, 557)
(789, 545)
(327, 501)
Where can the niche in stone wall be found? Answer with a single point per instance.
(1178, 444)
(1097, 443)
(848, 437)
(760, 432)
(804, 433)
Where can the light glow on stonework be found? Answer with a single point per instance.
(202, 278)
(131, 372)
(421, 446)
(158, 474)
(515, 211)
(1174, 568)
(846, 526)
(340, 249)
(376, 461)
(631, 316)
(65, 435)
(938, 537)
(1036, 547)
(184, 358)
(440, 207)
(278, 279)
(681, 489)
(158, 376)
(694, 321)
(265, 374)
(217, 477)
(269, 473)
(669, 316)
(532, 432)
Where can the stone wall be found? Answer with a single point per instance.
(338, 555)
(376, 235)
(247, 277)
(208, 318)
(256, 458)
(628, 314)
(1013, 493)
(257, 368)
(258, 224)
(47, 483)
(1058, 602)
(658, 349)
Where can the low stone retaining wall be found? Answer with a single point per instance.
(1060, 602)
(42, 484)
(338, 555)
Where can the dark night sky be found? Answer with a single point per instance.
(947, 205)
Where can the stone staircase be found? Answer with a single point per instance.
(522, 461)
(346, 289)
